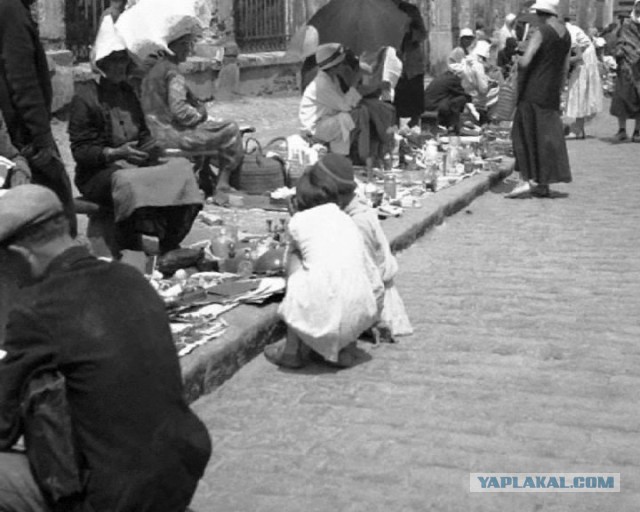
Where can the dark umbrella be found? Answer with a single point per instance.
(361, 25)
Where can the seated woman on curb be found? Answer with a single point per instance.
(333, 111)
(334, 291)
(178, 120)
(117, 160)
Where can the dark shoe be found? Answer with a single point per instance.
(541, 191)
(635, 137)
(621, 136)
(275, 354)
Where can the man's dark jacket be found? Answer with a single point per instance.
(105, 329)
(25, 84)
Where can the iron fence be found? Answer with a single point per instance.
(261, 25)
(82, 18)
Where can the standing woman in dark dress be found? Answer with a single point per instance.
(409, 100)
(538, 137)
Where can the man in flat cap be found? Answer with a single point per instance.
(102, 330)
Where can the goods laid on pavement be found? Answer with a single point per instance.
(229, 266)
(201, 283)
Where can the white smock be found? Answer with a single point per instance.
(333, 297)
(324, 112)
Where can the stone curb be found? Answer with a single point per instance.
(251, 328)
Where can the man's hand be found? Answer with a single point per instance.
(20, 174)
(43, 156)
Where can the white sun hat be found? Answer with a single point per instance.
(548, 6)
(483, 49)
(108, 40)
(329, 55)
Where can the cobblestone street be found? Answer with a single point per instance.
(525, 359)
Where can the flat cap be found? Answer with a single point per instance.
(25, 206)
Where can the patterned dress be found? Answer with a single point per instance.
(177, 120)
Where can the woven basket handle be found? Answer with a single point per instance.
(258, 146)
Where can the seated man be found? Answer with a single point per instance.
(460, 52)
(332, 111)
(178, 120)
(109, 139)
(476, 80)
(19, 172)
(446, 95)
(103, 329)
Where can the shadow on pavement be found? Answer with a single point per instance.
(318, 368)
(507, 185)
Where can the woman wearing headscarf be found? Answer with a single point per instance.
(117, 159)
(538, 134)
(626, 97)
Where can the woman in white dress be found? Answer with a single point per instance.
(585, 96)
(334, 290)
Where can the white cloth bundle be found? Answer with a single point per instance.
(150, 25)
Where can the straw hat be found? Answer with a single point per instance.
(329, 55)
(108, 40)
(548, 6)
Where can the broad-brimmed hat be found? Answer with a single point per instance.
(26, 206)
(329, 55)
(548, 6)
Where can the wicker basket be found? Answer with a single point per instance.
(260, 173)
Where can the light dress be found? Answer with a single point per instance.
(585, 96)
(337, 293)
(393, 313)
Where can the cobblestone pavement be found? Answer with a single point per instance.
(525, 359)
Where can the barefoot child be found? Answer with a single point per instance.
(178, 120)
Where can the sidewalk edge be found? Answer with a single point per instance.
(210, 367)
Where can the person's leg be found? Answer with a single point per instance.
(230, 154)
(579, 128)
(636, 130)
(18, 489)
(622, 129)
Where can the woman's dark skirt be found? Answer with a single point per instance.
(409, 101)
(625, 102)
(539, 145)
